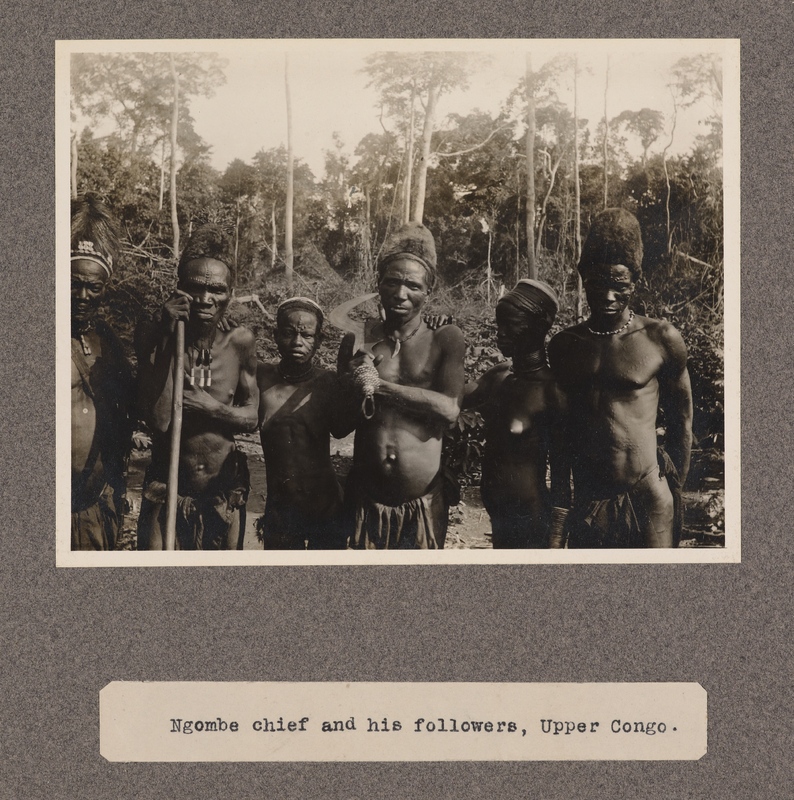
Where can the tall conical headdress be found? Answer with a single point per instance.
(414, 241)
(614, 238)
(94, 233)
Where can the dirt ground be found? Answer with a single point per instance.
(469, 526)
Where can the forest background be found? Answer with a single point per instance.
(508, 192)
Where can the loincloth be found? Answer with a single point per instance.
(285, 526)
(419, 524)
(96, 526)
(515, 526)
(618, 521)
(204, 521)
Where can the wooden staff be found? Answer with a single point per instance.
(176, 436)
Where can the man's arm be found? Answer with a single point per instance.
(676, 400)
(478, 392)
(560, 457)
(444, 401)
(154, 345)
(242, 415)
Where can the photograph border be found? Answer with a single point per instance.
(730, 553)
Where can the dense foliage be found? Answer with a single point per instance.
(475, 201)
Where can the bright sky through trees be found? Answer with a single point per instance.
(330, 94)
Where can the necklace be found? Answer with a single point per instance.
(616, 331)
(202, 359)
(398, 342)
(532, 363)
(80, 334)
(295, 377)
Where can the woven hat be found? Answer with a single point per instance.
(302, 304)
(534, 297)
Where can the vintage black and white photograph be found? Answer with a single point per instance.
(397, 301)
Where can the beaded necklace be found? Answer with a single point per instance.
(616, 331)
(80, 335)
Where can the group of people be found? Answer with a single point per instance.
(571, 456)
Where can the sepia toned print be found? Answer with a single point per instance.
(384, 353)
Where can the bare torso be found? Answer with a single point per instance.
(398, 451)
(612, 387)
(296, 424)
(518, 417)
(207, 439)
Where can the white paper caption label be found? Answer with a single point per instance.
(402, 721)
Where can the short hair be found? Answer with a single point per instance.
(614, 238)
(300, 304)
(209, 241)
(415, 242)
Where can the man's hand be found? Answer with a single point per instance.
(362, 359)
(226, 324)
(436, 321)
(177, 307)
(196, 399)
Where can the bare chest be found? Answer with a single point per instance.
(290, 405)
(218, 375)
(415, 364)
(620, 364)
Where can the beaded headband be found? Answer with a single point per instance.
(305, 303)
(86, 251)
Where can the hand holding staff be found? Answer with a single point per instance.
(176, 435)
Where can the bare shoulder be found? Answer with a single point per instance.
(242, 338)
(266, 375)
(449, 336)
(566, 339)
(495, 374)
(666, 336)
(323, 378)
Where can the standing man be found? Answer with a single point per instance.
(220, 399)
(300, 407)
(522, 408)
(396, 493)
(101, 384)
(617, 370)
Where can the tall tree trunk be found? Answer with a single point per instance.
(73, 165)
(409, 158)
(530, 155)
(274, 234)
(517, 270)
(488, 269)
(606, 138)
(162, 175)
(577, 224)
(368, 223)
(288, 256)
(174, 123)
(237, 235)
(544, 205)
(427, 134)
(667, 181)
